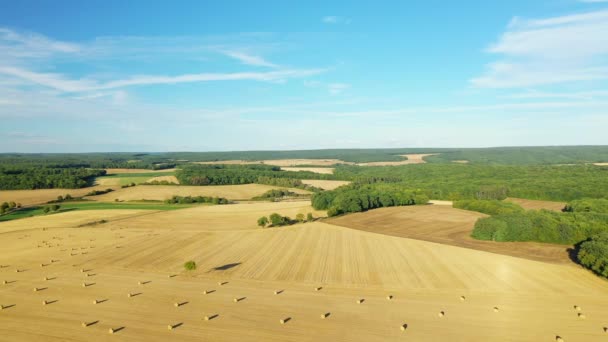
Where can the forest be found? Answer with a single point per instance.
(457, 181)
(357, 198)
(584, 224)
(46, 177)
(241, 174)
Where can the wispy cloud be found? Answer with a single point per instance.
(593, 1)
(249, 59)
(549, 51)
(28, 57)
(61, 83)
(337, 88)
(333, 19)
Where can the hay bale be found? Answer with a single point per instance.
(389, 297)
(403, 327)
(4, 282)
(581, 316)
(318, 288)
(129, 295)
(95, 301)
(235, 300)
(36, 289)
(112, 330)
(577, 308)
(463, 298)
(496, 309)
(559, 339)
(44, 302)
(206, 318)
(325, 315)
(359, 301)
(441, 313)
(176, 304)
(170, 327)
(284, 320)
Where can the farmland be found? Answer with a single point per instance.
(115, 261)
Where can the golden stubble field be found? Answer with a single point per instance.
(162, 192)
(30, 197)
(332, 283)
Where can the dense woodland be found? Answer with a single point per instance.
(43, 177)
(456, 182)
(583, 223)
(356, 198)
(242, 174)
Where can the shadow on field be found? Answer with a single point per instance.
(225, 267)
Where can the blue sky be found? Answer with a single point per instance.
(82, 76)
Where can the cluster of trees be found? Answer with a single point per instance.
(196, 199)
(490, 207)
(98, 192)
(51, 208)
(157, 182)
(541, 226)
(593, 254)
(356, 198)
(65, 198)
(277, 220)
(24, 177)
(5, 207)
(128, 185)
(585, 205)
(242, 174)
(274, 194)
(151, 161)
(457, 181)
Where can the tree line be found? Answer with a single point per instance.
(356, 198)
(196, 199)
(40, 177)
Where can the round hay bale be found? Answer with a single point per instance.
(577, 308)
(129, 295)
(206, 318)
(441, 313)
(35, 289)
(205, 292)
(403, 327)
(359, 301)
(170, 327)
(95, 301)
(84, 324)
(463, 298)
(235, 300)
(325, 315)
(496, 309)
(559, 339)
(581, 316)
(44, 302)
(4, 282)
(111, 330)
(176, 304)
(389, 297)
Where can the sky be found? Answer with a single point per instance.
(120, 76)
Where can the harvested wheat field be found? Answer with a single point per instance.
(306, 282)
(163, 192)
(242, 216)
(601, 164)
(281, 162)
(30, 197)
(460, 161)
(170, 179)
(325, 184)
(537, 205)
(321, 170)
(411, 159)
(446, 225)
(122, 171)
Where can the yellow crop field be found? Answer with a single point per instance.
(324, 282)
(162, 192)
(537, 205)
(325, 184)
(121, 171)
(446, 225)
(29, 197)
(321, 170)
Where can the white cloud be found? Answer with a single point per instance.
(332, 19)
(249, 59)
(61, 83)
(337, 88)
(549, 51)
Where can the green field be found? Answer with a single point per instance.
(71, 206)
